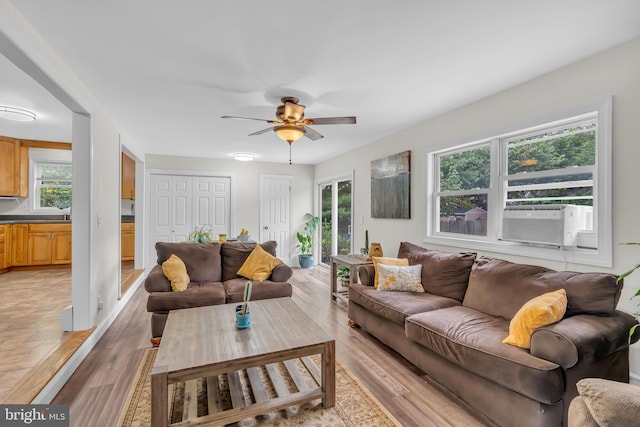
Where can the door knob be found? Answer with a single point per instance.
(266, 227)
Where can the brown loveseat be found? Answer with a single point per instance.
(212, 269)
(454, 332)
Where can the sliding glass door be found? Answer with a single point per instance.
(337, 217)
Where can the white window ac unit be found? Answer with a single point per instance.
(556, 225)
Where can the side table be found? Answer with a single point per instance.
(352, 262)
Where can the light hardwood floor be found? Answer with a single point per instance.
(30, 329)
(34, 346)
(97, 390)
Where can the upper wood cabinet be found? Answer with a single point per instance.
(128, 178)
(14, 163)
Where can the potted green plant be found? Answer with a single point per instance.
(344, 275)
(305, 241)
(201, 234)
(621, 277)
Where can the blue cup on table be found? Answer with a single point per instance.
(242, 320)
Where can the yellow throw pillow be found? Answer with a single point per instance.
(386, 261)
(537, 312)
(258, 265)
(176, 271)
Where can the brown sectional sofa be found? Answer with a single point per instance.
(212, 269)
(454, 332)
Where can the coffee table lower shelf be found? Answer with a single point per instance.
(304, 374)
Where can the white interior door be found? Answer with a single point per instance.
(275, 213)
(212, 203)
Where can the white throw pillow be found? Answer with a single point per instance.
(400, 278)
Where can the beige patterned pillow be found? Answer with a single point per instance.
(400, 278)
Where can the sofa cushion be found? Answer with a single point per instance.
(201, 259)
(234, 254)
(396, 306)
(443, 273)
(473, 341)
(197, 294)
(266, 289)
(259, 264)
(176, 272)
(499, 288)
(377, 260)
(610, 403)
(400, 278)
(540, 311)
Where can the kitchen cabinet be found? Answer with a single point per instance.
(61, 248)
(127, 246)
(5, 253)
(49, 244)
(128, 179)
(19, 243)
(14, 163)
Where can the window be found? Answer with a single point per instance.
(52, 185)
(561, 162)
(463, 190)
(552, 166)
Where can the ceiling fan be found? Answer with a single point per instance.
(291, 125)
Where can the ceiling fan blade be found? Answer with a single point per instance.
(312, 134)
(260, 132)
(248, 118)
(350, 120)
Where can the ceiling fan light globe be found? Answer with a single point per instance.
(289, 133)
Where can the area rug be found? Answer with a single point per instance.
(355, 405)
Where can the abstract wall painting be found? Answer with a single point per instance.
(391, 186)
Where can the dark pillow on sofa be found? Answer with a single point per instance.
(499, 288)
(201, 259)
(234, 254)
(443, 273)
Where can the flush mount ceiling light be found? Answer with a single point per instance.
(243, 157)
(16, 114)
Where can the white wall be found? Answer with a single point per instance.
(95, 247)
(614, 72)
(105, 218)
(247, 191)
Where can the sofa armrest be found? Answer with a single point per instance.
(366, 274)
(281, 273)
(582, 338)
(156, 281)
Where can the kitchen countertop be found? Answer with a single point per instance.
(43, 219)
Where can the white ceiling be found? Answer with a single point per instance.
(166, 70)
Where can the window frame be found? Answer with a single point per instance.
(38, 156)
(602, 188)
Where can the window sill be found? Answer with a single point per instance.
(591, 257)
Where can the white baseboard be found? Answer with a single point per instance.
(634, 378)
(62, 376)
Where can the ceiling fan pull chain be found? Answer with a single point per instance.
(289, 153)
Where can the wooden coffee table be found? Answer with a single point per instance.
(204, 342)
